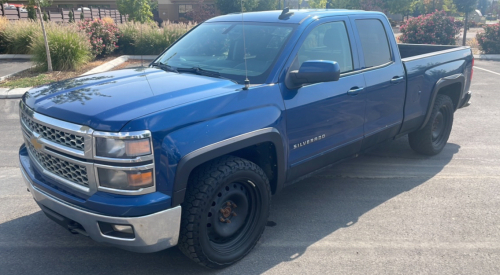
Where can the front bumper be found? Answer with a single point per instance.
(152, 232)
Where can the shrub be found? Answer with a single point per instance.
(69, 48)
(3, 25)
(148, 38)
(18, 36)
(108, 20)
(31, 12)
(45, 17)
(103, 36)
(489, 40)
(71, 17)
(434, 28)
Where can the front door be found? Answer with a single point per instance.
(325, 120)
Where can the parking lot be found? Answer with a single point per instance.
(389, 211)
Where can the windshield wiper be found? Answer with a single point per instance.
(164, 67)
(200, 71)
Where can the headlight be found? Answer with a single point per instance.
(122, 148)
(125, 180)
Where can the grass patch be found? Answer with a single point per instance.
(33, 77)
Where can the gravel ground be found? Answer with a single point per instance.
(390, 211)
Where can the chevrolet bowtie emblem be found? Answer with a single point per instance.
(37, 145)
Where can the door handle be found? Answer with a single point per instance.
(355, 90)
(397, 79)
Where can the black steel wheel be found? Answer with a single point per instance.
(431, 139)
(225, 211)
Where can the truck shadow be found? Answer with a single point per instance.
(303, 214)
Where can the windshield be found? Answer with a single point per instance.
(218, 47)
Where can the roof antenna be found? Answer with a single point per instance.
(247, 82)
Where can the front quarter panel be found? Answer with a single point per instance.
(181, 130)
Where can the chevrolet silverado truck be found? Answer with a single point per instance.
(190, 150)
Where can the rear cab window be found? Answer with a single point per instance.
(374, 42)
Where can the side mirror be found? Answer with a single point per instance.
(313, 71)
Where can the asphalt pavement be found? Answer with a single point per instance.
(390, 211)
(11, 66)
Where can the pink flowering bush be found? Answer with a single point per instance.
(102, 35)
(489, 40)
(434, 28)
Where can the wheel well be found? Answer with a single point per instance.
(264, 155)
(453, 91)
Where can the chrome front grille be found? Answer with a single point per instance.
(64, 169)
(66, 139)
(65, 152)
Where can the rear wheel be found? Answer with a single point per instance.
(225, 211)
(431, 139)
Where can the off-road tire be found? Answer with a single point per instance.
(431, 139)
(234, 179)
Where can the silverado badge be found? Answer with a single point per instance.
(37, 145)
(309, 141)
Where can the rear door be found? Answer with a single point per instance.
(384, 77)
(324, 120)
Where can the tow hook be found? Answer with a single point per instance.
(76, 228)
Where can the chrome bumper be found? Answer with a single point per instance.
(152, 233)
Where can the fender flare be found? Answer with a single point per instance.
(224, 147)
(441, 83)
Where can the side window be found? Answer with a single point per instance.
(374, 42)
(327, 42)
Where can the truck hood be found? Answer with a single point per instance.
(107, 101)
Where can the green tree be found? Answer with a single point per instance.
(267, 5)
(230, 6)
(317, 4)
(345, 4)
(449, 7)
(466, 7)
(137, 10)
(399, 6)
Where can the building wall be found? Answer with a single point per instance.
(167, 9)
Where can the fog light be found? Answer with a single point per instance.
(123, 228)
(117, 230)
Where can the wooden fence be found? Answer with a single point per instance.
(62, 15)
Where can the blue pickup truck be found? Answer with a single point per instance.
(190, 150)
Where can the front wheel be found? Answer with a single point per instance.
(225, 211)
(431, 139)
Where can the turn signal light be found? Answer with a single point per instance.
(137, 147)
(140, 179)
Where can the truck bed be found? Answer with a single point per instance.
(413, 51)
(425, 65)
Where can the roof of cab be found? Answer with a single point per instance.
(273, 16)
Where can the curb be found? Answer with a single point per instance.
(13, 93)
(19, 92)
(15, 56)
(495, 57)
(118, 61)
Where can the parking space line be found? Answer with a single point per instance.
(475, 67)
